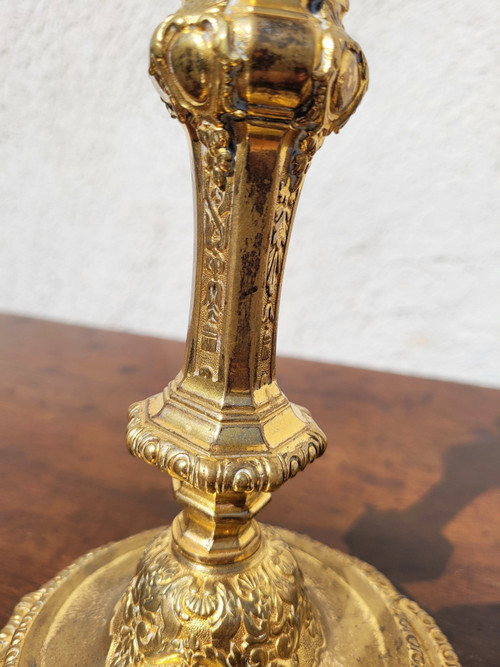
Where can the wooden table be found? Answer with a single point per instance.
(410, 481)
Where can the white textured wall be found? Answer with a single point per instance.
(395, 256)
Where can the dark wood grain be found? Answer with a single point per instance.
(410, 481)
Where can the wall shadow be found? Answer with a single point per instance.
(408, 545)
(474, 632)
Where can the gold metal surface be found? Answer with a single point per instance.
(367, 622)
(258, 84)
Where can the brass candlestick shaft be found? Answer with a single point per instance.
(258, 86)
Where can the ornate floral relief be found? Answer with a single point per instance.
(424, 641)
(288, 194)
(217, 166)
(252, 618)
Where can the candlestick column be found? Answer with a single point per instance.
(258, 85)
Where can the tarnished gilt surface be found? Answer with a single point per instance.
(367, 622)
(258, 86)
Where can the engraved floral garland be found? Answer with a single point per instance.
(250, 619)
(217, 162)
(288, 194)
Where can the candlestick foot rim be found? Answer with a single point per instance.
(366, 621)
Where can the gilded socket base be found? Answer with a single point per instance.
(366, 622)
(255, 613)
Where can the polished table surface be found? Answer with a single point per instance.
(410, 480)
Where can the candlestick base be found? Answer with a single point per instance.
(365, 620)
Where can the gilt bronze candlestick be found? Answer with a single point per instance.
(258, 85)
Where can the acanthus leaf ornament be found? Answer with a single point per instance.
(252, 617)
